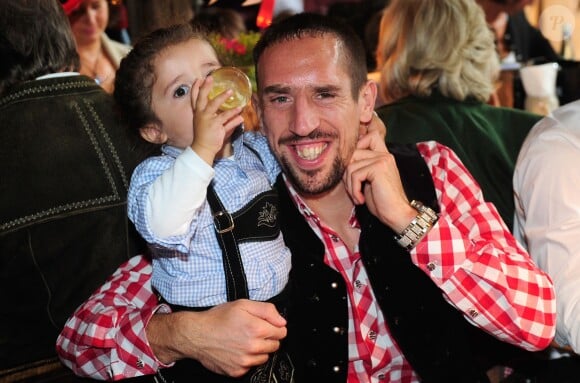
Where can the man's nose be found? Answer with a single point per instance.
(306, 117)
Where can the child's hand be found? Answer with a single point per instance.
(212, 128)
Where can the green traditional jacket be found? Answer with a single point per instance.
(487, 139)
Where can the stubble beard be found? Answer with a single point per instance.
(308, 182)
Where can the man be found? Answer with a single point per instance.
(383, 289)
(547, 218)
(65, 169)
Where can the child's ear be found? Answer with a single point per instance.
(153, 133)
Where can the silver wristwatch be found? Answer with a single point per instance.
(418, 227)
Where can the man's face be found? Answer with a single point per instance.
(308, 111)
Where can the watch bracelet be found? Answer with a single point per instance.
(419, 226)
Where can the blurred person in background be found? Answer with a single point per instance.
(438, 65)
(118, 27)
(226, 22)
(517, 40)
(65, 171)
(547, 222)
(100, 56)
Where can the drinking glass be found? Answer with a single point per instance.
(229, 77)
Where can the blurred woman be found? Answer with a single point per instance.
(99, 55)
(438, 65)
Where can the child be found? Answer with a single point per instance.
(199, 262)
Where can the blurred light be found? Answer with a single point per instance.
(264, 18)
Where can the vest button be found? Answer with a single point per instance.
(314, 298)
(336, 369)
(338, 330)
(312, 363)
(334, 285)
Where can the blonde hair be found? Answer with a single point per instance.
(443, 44)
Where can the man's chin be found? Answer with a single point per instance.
(315, 182)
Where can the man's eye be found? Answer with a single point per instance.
(323, 95)
(279, 99)
(182, 91)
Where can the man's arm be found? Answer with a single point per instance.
(121, 331)
(105, 338)
(469, 253)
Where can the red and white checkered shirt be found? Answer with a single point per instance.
(469, 254)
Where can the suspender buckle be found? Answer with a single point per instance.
(223, 222)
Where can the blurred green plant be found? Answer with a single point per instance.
(238, 52)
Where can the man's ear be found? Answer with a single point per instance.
(153, 133)
(367, 99)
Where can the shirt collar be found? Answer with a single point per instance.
(308, 213)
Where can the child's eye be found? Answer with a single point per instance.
(181, 91)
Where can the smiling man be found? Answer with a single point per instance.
(400, 269)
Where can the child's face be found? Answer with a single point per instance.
(176, 69)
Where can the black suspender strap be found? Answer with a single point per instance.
(236, 283)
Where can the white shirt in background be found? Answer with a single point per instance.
(547, 219)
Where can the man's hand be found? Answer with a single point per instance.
(372, 177)
(228, 339)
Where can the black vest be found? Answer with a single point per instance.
(438, 342)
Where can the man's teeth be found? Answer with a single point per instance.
(310, 152)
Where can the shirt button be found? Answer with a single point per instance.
(357, 284)
(472, 313)
(431, 266)
(334, 238)
(372, 335)
(381, 377)
(140, 363)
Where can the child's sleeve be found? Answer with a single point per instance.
(165, 197)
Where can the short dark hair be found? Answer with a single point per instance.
(136, 76)
(35, 39)
(315, 25)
